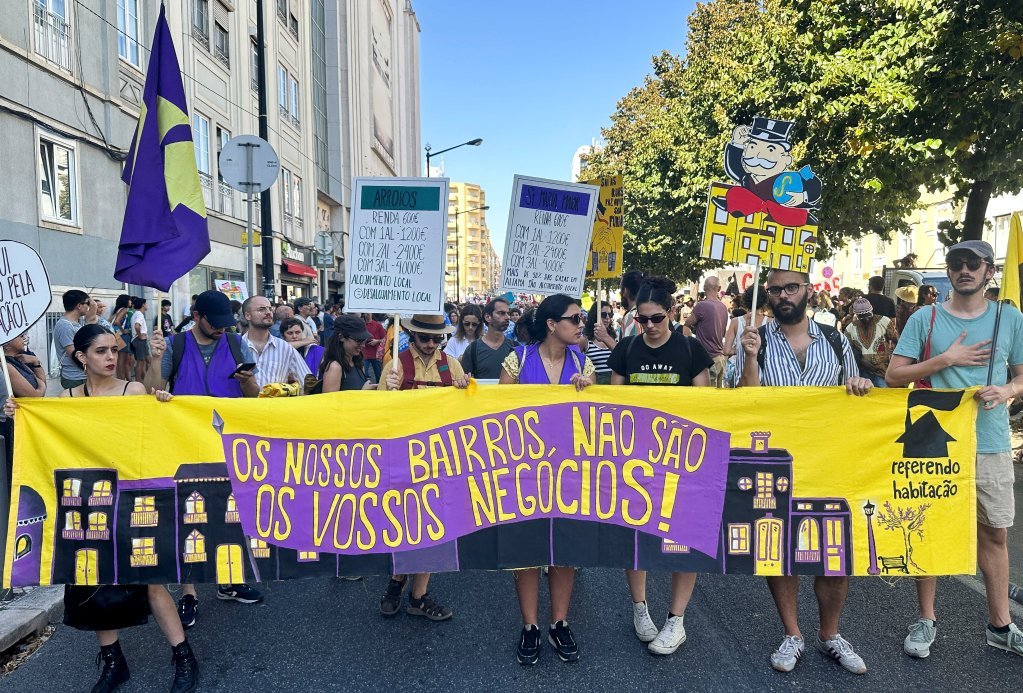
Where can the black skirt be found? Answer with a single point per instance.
(106, 607)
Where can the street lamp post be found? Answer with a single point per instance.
(868, 510)
(458, 251)
(429, 153)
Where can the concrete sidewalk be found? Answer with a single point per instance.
(29, 613)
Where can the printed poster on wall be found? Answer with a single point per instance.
(605, 258)
(397, 240)
(548, 237)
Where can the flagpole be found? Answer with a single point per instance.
(994, 344)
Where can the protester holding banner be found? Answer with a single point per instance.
(551, 357)
(659, 356)
(422, 365)
(108, 608)
(950, 344)
(342, 364)
(293, 334)
(599, 340)
(796, 351)
(468, 329)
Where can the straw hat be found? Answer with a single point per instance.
(907, 293)
(427, 324)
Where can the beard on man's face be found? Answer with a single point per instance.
(788, 313)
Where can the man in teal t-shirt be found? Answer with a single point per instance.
(960, 353)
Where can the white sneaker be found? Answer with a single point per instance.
(788, 653)
(839, 649)
(641, 621)
(921, 637)
(670, 638)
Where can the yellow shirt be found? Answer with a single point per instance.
(426, 368)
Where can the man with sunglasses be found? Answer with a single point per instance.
(708, 323)
(960, 348)
(422, 365)
(798, 351)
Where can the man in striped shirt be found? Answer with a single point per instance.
(798, 352)
(276, 360)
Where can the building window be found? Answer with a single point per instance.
(231, 514)
(72, 520)
(22, 546)
(296, 200)
(222, 44)
(201, 143)
(832, 506)
(225, 193)
(293, 93)
(286, 201)
(293, 26)
(144, 513)
(808, 541)
(282, 9)
(195, 509)
(738, 538)
(52, 32)
(98, 529)
(253, 66)
(58, 181)
(783, 484)
(201, 22)
(282, 90)
(195, 548)
(764, 499)
(101, 493)
(128, 31)
(745, 483)
(308, 556)
(260, 549)
(71, 494)
(1000, 239)
(143, 552)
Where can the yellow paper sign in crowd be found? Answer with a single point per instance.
(766, 481)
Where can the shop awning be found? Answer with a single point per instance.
(299, 268)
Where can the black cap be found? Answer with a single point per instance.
(351, 326)
(302, 301)
(216, 308)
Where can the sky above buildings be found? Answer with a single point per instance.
(536, 79)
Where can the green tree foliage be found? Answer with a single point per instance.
(889, 97)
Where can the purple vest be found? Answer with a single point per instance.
(313, 356)
(194, 377)
(532, 372)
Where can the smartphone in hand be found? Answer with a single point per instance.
(243, 367)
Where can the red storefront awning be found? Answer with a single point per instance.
(300, 269)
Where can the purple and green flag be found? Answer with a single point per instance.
(164, 233)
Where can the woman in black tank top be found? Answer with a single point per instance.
(107, 608)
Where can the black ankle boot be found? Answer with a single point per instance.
(115, 668)
(186, 669)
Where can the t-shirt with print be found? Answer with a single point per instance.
(992, 424)
(676, 362)
(64, 336)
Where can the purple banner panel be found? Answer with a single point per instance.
(554, 200)
(630, 466)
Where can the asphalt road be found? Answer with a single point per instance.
(325, 635)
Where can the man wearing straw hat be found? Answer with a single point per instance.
(422, 365)
(958, 336)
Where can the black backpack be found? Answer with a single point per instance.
(833, 336)
(178, 353)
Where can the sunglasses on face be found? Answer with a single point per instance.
(575, 319)
(470, 324)
(973, 264)
(435, 338)
(605, 316)
(655, 319)
(789, 289)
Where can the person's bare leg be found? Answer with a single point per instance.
(560, 580)
(527, 587)
(926, 591)
(682, 585)
(106, 637)
(188, 589)
(637, 584)
(420, 582)
(785, 590)
(993, 560)
(831, 593)
(165, 612)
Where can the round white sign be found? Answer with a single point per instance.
(234, 164)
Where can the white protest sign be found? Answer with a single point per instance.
(397, 237)
(548, 237)
(24, 289)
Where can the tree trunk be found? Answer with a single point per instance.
(976, 208)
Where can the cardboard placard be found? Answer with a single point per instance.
(548, 239)
(398, 236)
(605, 258)
(236, 291)
(24, 289)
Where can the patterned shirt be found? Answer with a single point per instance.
(781, 367)
(277, 361)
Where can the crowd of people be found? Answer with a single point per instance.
(789, 335)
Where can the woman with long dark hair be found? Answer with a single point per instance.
(551, 357)
(108, 608)
(658, 356)
(467, 331)
(292, 331)
(342, 367)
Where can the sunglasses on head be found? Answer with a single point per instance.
(973, 264)
(575, 319)
(436, 338)
(655, 319)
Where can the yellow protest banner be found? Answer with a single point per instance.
(605, 257)
(750, 481)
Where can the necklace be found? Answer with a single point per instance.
(550, 366)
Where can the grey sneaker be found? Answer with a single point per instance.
(1010, 642)
(641, 621)
(670, 638)
(788, 653)
(839, 649)
(921, 637)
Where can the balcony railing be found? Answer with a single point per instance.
(200, 35)
(299, 227)
(206, 181)
(282, 10)
(223, 57)
(53, 38)
(226, 198)
(293, 27)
